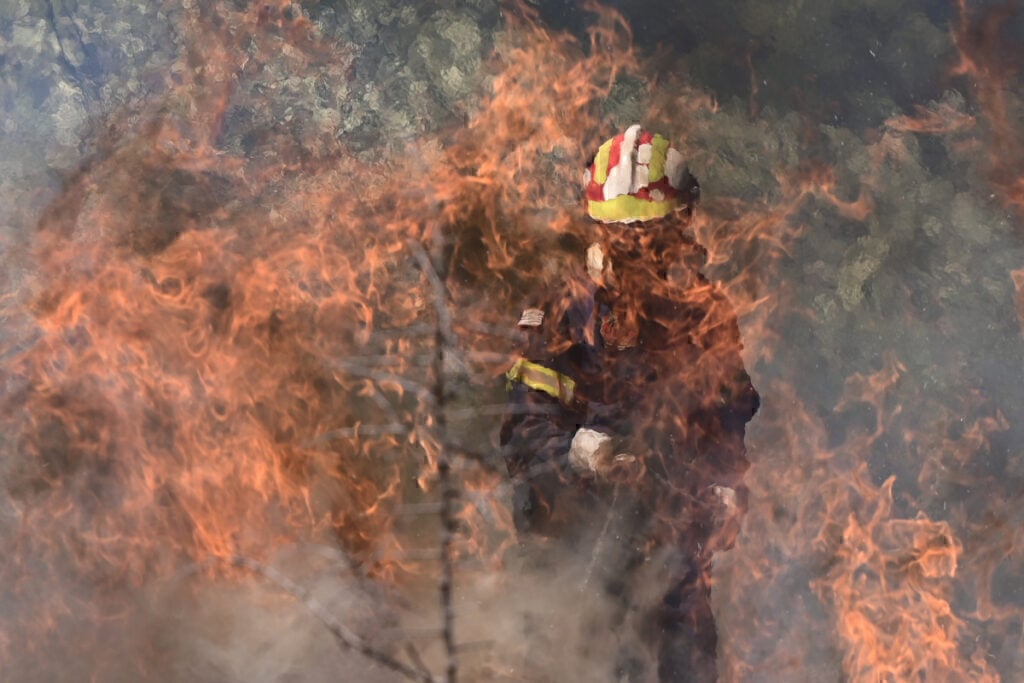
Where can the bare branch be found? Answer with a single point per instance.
(476, 411)
(444, 342)
(341, 633)
(444, 316)
(381, 377)
(357, 431)
(499, 331)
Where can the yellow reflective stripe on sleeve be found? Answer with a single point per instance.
(601, 162)
(656, 167)
(540, 378)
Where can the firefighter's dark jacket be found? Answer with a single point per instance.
(653, 351)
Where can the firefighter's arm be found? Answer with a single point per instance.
(535, 437)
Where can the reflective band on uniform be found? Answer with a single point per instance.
(538, 377)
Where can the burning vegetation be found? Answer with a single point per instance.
(255, 353)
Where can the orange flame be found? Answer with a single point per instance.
(228, 356)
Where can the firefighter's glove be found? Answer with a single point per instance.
(592, 453)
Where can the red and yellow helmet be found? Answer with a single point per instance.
(637, 176)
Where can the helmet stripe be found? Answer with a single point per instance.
(659, 148)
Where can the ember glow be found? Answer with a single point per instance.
(253, 371)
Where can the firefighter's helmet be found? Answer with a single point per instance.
(637, 176)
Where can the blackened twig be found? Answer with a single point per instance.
(414, 655)
(381, 377)
(444, 341)
(499, 331)
(341, 633)
(501, 409)
(444, 316)
(357, 431)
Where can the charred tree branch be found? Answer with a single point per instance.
(444, 342)
(341, 633)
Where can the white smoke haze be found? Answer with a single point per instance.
(219, 428)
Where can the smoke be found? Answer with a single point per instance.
(217, 345)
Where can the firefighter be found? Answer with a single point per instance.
(632, 389)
